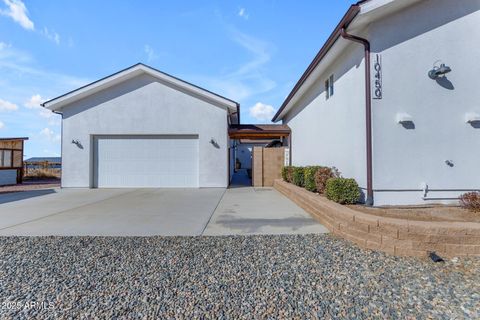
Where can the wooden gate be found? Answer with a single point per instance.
(267, 165)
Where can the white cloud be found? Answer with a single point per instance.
(248, 78)
(34, 102)
(45, 113)
(7, 106)
(50, 135)
(2, 125)
(18, 12)
(51, 35)
(261, 111)
(4, 45)
(19, 65)
(151, 55)
(243, 13)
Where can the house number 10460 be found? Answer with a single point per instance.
(377, 93)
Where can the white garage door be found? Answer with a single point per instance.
(146, 161)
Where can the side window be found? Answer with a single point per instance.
(331, 85)
(329, 90)
(7, 158)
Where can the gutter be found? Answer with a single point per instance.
(368, 112)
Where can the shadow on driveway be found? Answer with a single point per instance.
(22, 195)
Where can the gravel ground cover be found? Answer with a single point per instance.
(31, 185)
(234, 277)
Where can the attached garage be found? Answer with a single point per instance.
(142, 128)
(145, 161)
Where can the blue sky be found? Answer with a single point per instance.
(250, 51)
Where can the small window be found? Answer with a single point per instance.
(6, 158)
(329, 91)
(331, 85)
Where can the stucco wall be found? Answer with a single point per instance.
(410, 42)
(143, 105)
(332, 132)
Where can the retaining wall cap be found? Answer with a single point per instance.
(394, 221)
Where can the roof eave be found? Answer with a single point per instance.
(59, 102)
(344, 23)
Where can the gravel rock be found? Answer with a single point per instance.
(234, 277)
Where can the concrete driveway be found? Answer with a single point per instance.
(248, 210)
(108, 212)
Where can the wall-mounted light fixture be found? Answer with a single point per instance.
(472, 117)
(214, 143)
(77, 143)
(439, 71)
(402, 118)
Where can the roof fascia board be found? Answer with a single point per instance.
(126, 74)
(344, 22)
(357, 17)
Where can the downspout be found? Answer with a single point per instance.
(368, 112)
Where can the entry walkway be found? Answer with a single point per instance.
(240, 179)
(251, 210)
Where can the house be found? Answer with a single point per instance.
(11, 160)
(141, 127)
(392, 100)
(39, 162)
(144, 128)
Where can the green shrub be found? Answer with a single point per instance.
(287, 173)
(471, 201)
(309, 178)
(298, 176)
(322, 175)
(342, 190)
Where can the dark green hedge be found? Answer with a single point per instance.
(309, 178)
(342, 190)
(298, 176)
(287, 173)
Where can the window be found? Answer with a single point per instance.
(329, 91)
(5, 158)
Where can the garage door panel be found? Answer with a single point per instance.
(146, 161)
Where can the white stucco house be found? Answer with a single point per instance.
(392, 99)
(144, 128)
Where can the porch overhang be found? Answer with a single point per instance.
(259, 131)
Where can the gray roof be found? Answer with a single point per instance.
(43, 159)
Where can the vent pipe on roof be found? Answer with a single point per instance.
(368, 112)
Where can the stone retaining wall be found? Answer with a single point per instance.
(395, 236)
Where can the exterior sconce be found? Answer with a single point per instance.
(77, 143)
(472, 117)
(214, 143)
(439, 71)
(403, 118)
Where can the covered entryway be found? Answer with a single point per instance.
(262, 169)
(145, 161)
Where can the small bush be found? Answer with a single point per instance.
(322, 175)
(309, 178)
(342, 190)
(298, 176)
(471, 201)
(287, 173)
